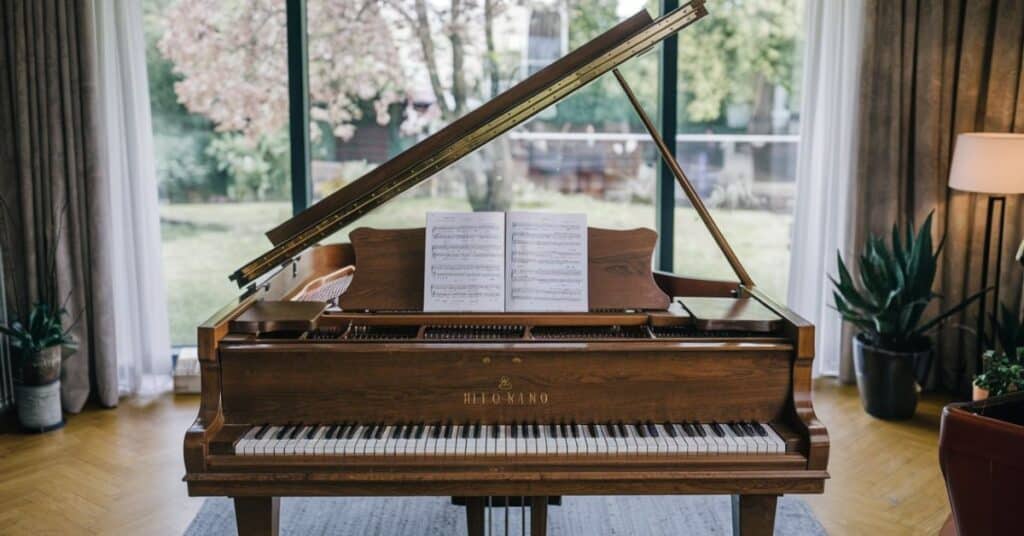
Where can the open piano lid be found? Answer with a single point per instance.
(626, 40)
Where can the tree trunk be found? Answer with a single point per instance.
(761, 123)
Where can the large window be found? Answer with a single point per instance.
(384, 74)
(218, 90)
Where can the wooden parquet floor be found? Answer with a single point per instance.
(119, 471)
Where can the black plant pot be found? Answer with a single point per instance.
(886, 379)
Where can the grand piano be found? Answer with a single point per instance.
(327, 378)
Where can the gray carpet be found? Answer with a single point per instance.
(577, 516)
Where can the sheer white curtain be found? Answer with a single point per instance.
(143, 351)
(825, 166)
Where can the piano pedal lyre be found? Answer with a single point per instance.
(480, 514)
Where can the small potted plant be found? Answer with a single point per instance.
(39, 343)
(1002, 367)
(891, 352)
(1002, 374)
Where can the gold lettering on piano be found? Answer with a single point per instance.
(505, 396)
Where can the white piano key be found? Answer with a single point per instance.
(242, 445)
(716, 445)
(777, 443)
(260, 448)
(308, 446)
(572, 447)
(354, 445)
(590, 441)
(663, 442)
(739, 443)
(295, 441)
(759, 442)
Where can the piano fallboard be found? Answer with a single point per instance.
(546, 382)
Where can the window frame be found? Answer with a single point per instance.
(298, 124)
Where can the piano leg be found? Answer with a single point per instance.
(753, 515)
(257, 516)
(475, 515)
(538, 516)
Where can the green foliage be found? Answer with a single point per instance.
(1008, 332)
(1003, 373)
(894, 289)
(603, 101)
(42, 329)
(180, 139)
(257, 170)
(741, 46)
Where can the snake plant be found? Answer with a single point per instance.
(893, 288)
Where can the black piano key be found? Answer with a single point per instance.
(449, 429)
(611, 430)
(536, 430)
(369, 431)
(624, 431)
(751, 429)
(495, 429)
(420, 429)
(351, 431)
(717, 429)
(263, 430)
(312, 431)
(464, 433)
(670, 429)
(381, 429)
(410, 431)
(592, 430)
(285, 430)
(737, 429)
(575, 429)
(640, 430)
(477, 429)
(652, 430)
(435, 432)
(552, 430)
(514, 432)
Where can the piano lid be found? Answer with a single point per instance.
(626, 40)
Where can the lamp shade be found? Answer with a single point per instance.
(988, 163)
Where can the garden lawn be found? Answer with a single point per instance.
(204, 243)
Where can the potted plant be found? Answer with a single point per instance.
(1002, 367)
(891, 351)
(39, 343)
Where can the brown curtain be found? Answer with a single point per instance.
(50, 181)
(931, 70)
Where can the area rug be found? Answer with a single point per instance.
(577, 516)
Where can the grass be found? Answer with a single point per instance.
(204, 243)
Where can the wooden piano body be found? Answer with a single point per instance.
(657, 353)
(637, 366)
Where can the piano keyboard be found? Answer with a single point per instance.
(626, 439)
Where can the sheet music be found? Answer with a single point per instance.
(464, 262)
(546, 262)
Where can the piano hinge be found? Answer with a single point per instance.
(264, 282)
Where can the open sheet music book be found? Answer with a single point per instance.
(498, 262)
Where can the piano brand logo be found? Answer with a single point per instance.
(504, 396)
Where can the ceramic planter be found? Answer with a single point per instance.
(42, 368)
(37, 391)
(886, 379)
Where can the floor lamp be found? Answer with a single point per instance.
(992, 164)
